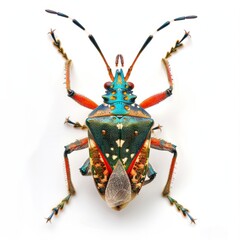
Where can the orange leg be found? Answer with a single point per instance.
(157, 98)
(77, 145)
(160, 144)
(82, 100)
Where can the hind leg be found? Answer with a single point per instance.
(77, 145)
(160, 144)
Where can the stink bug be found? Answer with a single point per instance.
(119, 132)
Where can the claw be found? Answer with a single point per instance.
(190, 217)
(60, 206)
(68, 121)
(54, 212)
(75, 124)
(179, 207)
(158, 127)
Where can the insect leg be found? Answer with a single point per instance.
(85, 169)
(90, 36)
(151, 174)
(82, 100)
(157, 98)
(150, 37)
(77, 145)
(160, 144)
(75, 124)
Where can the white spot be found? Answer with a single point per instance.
(107, 155)
(124, 160)
(127, 150)
(112, 148)
(132, 155)
(119, 126)
(114, 157)
(120, 142)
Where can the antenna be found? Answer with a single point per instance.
(149, 39)
(90, 36)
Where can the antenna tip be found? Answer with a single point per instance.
(191, 17)
(50, 11)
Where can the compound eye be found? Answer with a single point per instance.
(107, 85)
(130, 85)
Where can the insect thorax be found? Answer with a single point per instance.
(119, 95)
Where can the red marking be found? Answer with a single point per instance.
(84, 101)
(107, 85)
(84, 141)
(134, 160)
(155, 142)
(122, 60)
(131, 85)
(67, 171)
(119, 56)
(153, 100)
(104, 159)
(172, 167)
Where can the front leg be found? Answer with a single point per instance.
(160, 144)
(82, 100)
(157, 98)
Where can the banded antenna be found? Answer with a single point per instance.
(90, 36)
(92, 39)
(148, 40)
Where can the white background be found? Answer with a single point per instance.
(201, 118)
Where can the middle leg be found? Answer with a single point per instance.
(75, 124)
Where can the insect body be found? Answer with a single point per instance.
(119, 133)
(119, 137)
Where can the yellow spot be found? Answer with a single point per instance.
(113, 98)
(119, 80)
(125, 98)
(112, 107)
(126, 107)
